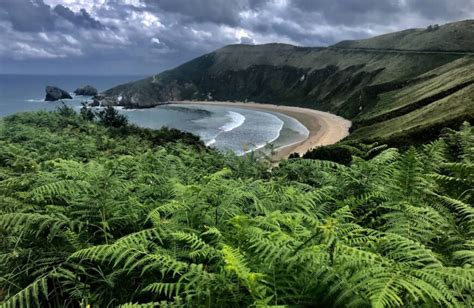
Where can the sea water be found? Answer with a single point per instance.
(226, 128)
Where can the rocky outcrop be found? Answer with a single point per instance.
(135, 101)
(55, 93)
(101, 100)
(86, 91)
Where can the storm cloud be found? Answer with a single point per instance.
(148, 36)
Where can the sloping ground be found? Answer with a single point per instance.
(417, 111)
(457, 36)
(309, 77)
(424, 123)
(440, 83)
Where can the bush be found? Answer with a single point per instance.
(66, 111)
(87, 113)
(111, 117)
(333, 153)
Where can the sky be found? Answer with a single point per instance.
(143, 37)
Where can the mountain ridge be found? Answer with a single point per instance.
(348, 78)
(428, 39)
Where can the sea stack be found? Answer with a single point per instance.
(86, 91)
(55, 93)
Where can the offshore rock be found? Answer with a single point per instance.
(55, 93)
(86, 91)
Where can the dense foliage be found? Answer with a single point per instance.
(107, 216)
(336, 153)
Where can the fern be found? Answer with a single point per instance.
(91, 215)
(30, 294)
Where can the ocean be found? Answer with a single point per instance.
(226, 128)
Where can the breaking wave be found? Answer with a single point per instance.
(236, 121)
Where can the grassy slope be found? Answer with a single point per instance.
(445, 97)
(360, 80)
(451, 108)
(457, 36)
(443, 78)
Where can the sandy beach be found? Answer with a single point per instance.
(324, 128)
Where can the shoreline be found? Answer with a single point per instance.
(324, 128)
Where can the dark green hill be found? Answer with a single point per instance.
(391, 86)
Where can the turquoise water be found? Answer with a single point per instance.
(226, 128)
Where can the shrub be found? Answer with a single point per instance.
(109, 116)
(335, 153)
(87, 113)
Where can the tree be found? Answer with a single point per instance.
(109, 116)
(335, 153)
(87, 113)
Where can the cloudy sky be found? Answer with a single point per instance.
(148, 36)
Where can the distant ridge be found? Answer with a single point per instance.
(457, 36)
(397, 87)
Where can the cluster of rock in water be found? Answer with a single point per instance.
(54, 93)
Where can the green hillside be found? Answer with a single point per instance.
(457, 36)
(99, 213)
(418, 110)
(408, 83)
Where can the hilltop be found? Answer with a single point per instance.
(400, 85)
(456, 36)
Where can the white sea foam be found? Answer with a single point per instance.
(262, 145)
(210, 142)
(237, 121)
(288, 123)
(35, 100)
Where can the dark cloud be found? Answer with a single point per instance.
(213, 11)
(147, 36)
(363, 12)
(36, 16)
(350, 12)
(442, 9)
(356, 7)
(28, 15)
(207, 11)
(81, 19)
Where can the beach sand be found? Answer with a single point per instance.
(324, 128)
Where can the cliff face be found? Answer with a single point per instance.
(348, 78)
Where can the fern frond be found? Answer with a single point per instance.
(34, 292)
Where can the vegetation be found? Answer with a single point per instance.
(418, 111)
(335, 153)
(99, 215)
(456, 36)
